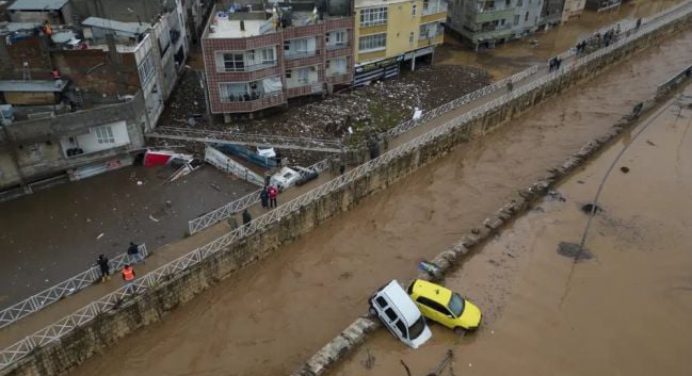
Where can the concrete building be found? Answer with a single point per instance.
(572, 9)
(602, 5)
(390, 32)
(484, 23)
(57, 12)
(256, 59)
(551, 15)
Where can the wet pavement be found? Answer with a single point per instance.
(54, 234)
(267, 318)
(623, 312)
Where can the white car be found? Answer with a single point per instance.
(286, 177)
(392, 305)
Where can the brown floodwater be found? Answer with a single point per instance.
(514, 56)
(625, 311)
(267, 318)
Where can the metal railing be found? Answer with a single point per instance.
(234, 138)
(162, 274)
(63, 289)
(217, 215)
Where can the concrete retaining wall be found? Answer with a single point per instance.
(95, 336)
(446, 261)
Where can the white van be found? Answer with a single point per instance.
(399, 314)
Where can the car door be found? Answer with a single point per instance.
(435, 311)
(387, 315)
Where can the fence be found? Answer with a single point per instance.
(673, 81)
(234, 138)
(63, 289)
(217, 215)
(225, 163)
(113, 300)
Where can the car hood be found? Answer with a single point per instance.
(471, 317)
(422, 338)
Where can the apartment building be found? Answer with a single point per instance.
(551, 15)
(572, 9)
(388, 33)
(485, 23)
(602, 5)
(257, 58)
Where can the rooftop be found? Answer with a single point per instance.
(134, 28)
(38, 5)
(32, 86)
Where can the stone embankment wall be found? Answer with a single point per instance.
(446, 261)
(94, 336)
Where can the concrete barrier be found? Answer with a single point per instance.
(90, 336)
(447, 260)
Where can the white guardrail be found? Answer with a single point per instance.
(63, 289)
(112, 301)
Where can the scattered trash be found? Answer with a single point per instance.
(139, 182)
(100, 236)
(428, 267)
(163, 157)
(625, 169)
(555, 195)
(417, 113)
(650, 143)
(153, 219)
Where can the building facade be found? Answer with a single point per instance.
(254, 62)
(485, 23)
(388, 33)
(572, 9)
(551, 15)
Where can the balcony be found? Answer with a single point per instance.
(336, 46)
(297, 54)
(430, 8)
(494, 15)
(307, 88)
(251, 105)
(337, 78)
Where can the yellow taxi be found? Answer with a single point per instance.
(444, 306)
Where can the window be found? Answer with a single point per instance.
(104, 135)
(417, 328)
(372, 42)
(410, 38)
(390, 313)
(304, 75)
(381, 302)
(516, 19)
(268, 56)
(373, 16)
(433, 305)
(508, 3)
(526, 17)
(233, 62)
(146, 69)
(402, 328)
(234, 92)
(288, 73)
(520, 3)
(456, 304)
(413, 10)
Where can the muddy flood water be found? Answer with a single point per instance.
(512, 57)
(270, 316)
(624, 311)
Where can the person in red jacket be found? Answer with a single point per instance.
(273, 192)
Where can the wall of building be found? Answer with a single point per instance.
(150, 307)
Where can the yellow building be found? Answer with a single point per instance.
(390, 32)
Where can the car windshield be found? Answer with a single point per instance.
(456, 305)
(417, 328)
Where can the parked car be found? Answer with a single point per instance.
(288, 177)
(400, 315)
(444, 306)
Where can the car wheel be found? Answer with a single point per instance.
(372, 311)
(459, 331)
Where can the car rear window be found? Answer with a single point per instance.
(417, 328)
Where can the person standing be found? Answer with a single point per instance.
(128, 274)
(264, 197)
(273, 192)
(247, 218)
(104, 267)
(134, 254)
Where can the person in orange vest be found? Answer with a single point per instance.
(128, 275)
